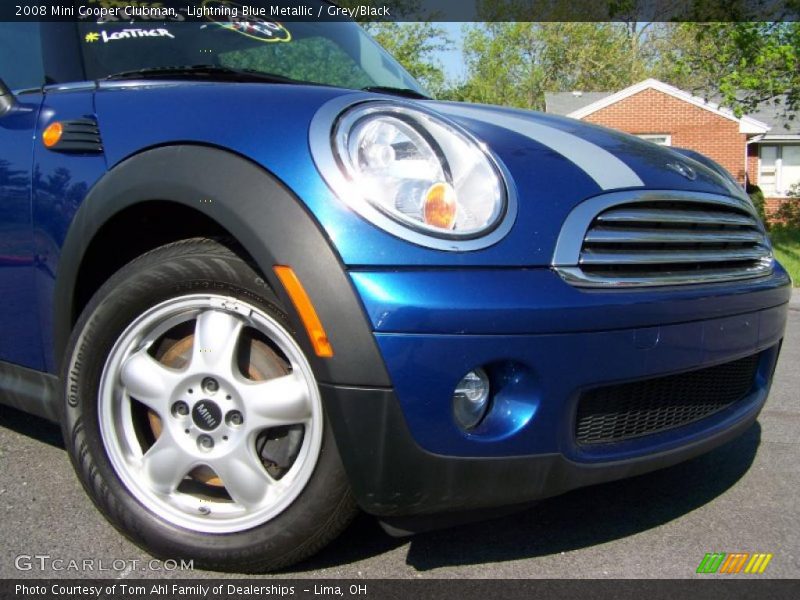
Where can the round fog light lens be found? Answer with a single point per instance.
(471, 399)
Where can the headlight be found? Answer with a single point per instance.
(417, 175)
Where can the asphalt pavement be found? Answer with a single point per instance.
(742, 497)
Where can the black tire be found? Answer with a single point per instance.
(321, 511)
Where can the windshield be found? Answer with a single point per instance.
(336, 53)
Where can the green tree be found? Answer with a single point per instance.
(516, 63)
(415, 46)
(715, 49)
(310, 59)
(413, 38)
(788, 214)
(744, 64)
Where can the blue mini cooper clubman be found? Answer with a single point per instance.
(262, 281)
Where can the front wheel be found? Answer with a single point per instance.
(194, 419)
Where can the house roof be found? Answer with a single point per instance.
(579, 105)
(563, 103)
(781, 126)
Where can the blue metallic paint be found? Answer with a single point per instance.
(19, 342)
(426, 368)
(269, 125)
(537, 300)
(60, 183)
(543, 340)
(646, 159)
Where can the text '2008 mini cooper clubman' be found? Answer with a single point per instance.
(263, 288)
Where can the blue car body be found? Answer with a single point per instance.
(432, 315)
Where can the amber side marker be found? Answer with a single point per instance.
(308, 314)
(52, 135)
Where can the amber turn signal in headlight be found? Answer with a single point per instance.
(440, 206)
(418, 169)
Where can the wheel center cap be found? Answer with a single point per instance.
(207, 415)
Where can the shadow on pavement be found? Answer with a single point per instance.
(30, 426)
(578, 519)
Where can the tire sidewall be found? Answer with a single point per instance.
(144, 283)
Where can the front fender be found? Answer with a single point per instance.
(270, 223)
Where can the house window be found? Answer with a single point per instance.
(662, 139)
(778, 168)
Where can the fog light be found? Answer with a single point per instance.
(471, 399)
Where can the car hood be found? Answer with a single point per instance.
(612, 160)
(553, 163)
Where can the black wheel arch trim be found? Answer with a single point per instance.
(263, 216)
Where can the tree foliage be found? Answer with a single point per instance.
(744, 64)
(516, 63)
(740, 65)
(788, 214)
(510, 60)
(312, 59)
(416, 46)
(414, 39)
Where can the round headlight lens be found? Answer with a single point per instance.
(419, 170)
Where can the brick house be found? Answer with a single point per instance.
(762, 148)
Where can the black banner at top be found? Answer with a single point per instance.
(133, 11)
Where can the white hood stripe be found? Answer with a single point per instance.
(607, 170)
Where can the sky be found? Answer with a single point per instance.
(452, 59)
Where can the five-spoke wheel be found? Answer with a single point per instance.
(206, 420)
(194, 418)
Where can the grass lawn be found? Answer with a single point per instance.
(787, 250)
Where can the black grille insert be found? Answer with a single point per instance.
(629, 410)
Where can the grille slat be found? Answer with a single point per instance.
(671, 236)
(645, 215)
(669, 256)
(630, 410)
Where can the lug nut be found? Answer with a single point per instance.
(234, 418)
(180, 409)
(210, 385)
(205, 442)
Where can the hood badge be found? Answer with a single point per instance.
(683, 169)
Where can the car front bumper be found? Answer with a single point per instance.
(544, 345)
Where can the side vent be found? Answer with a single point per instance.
(79, 136)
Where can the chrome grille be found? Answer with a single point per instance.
(661, 238)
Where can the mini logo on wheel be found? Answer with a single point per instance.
(206, 415)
